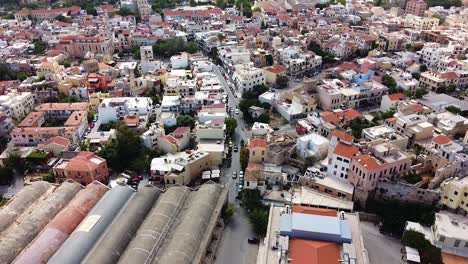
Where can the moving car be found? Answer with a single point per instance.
(237, 111)
(234, 174)
(236, 148)
(253, 240)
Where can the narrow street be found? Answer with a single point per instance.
(234, 248)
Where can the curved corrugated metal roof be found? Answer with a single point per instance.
(185, 242)
(91, 228)
(20, 202)
(117, 236)
(63, 224)
(18, 238)
(143, 247)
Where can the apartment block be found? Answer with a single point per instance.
(246, 76)
(17, 105)
(298, 62)
(455, 195)
(416, 7)
(112, 109)
(77, 46)
(386, 161)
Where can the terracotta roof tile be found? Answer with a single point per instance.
(442, 139)
(345, 150)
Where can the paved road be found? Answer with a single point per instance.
(8, 191)
(381, 248)
(234, 248)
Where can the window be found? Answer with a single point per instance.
(457, 243)
(455, 193)
(338, 158)
(441, 238)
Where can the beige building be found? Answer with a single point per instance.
(76, 46)
(257, 150)
(180, 168)
(455, 195)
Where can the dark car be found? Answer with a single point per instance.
(253, 240)
(236, 148)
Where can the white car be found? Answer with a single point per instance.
(237, 111)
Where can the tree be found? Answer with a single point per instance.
(326, 57)
(50, 177)
(221, 4)
(282, 81)
(416, 75)
(422, 68)
(91, 114)
(428, 252)
(123, 11)
(246, 7)
(244, 158)
(264, 118)
(22, 76)
(228, 211)
(62, 18)
(6, 175)
(388, 81)
(136, 52)
(453, 109)
(221, 37)
(269, 60)
(192, 47)
(259, 221)
(15, 162)
(420, 92)
(185, 121)
(231, 124)
(308, 162)
(65, 63)
(39, 47)
(418, 149)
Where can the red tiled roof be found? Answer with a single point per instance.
(58, 140)
(170, 139)
(335, 117)
(449, 76)
(181, 130)
(258, 143)
(276, 69)
(367, 161)
(391, 120)
(83, 162)
(345, 150)
(396, 96)
(302, 251)
(442, 139)
(417, 107)
(342, 135)
(313, 210)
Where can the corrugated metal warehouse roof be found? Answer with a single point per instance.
(146, 243)
(18, 238)
(117, 236)
(21, 202)
(63, 224)
(185, 243)
(91, 228)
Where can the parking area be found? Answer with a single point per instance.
(381, 248)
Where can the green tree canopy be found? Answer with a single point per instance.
(388, 81)
(123, 11)
(282, 81)
(231, 124)
(192, 47)
(185, 121)
(453, 109)
(244, 158)
(39, 47)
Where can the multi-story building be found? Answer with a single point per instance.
(421, 23)
(257, 150)
(312, 145)
(298, 62)
(17, 105)
(432, 53)
(386, 161)
(179, 168)
(6, 124)
(455, 195)
(112, 109)
(143, 8)
(150, 137)
(43, 14)
(416, 7)
(434, 80)
(175, 142)
(340, 160)
(330, 96)
(77, 46)
(246, 76)
(83, 168)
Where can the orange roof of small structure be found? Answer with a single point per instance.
(303, 251)
(335, 117)
(342, 135)
(58, 140)
(313, 210)
(442, 139)
(181, 130)
(258, 143)
(345, 150)
(276, 69)
(170, 139)
(396, 96)
(392, 120)
(83, 162)
(368, 161)
(453, 259)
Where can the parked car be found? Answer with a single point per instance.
(253, 240)
(91, 125)
(241, 174)
(234, 174)
(236, 148)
